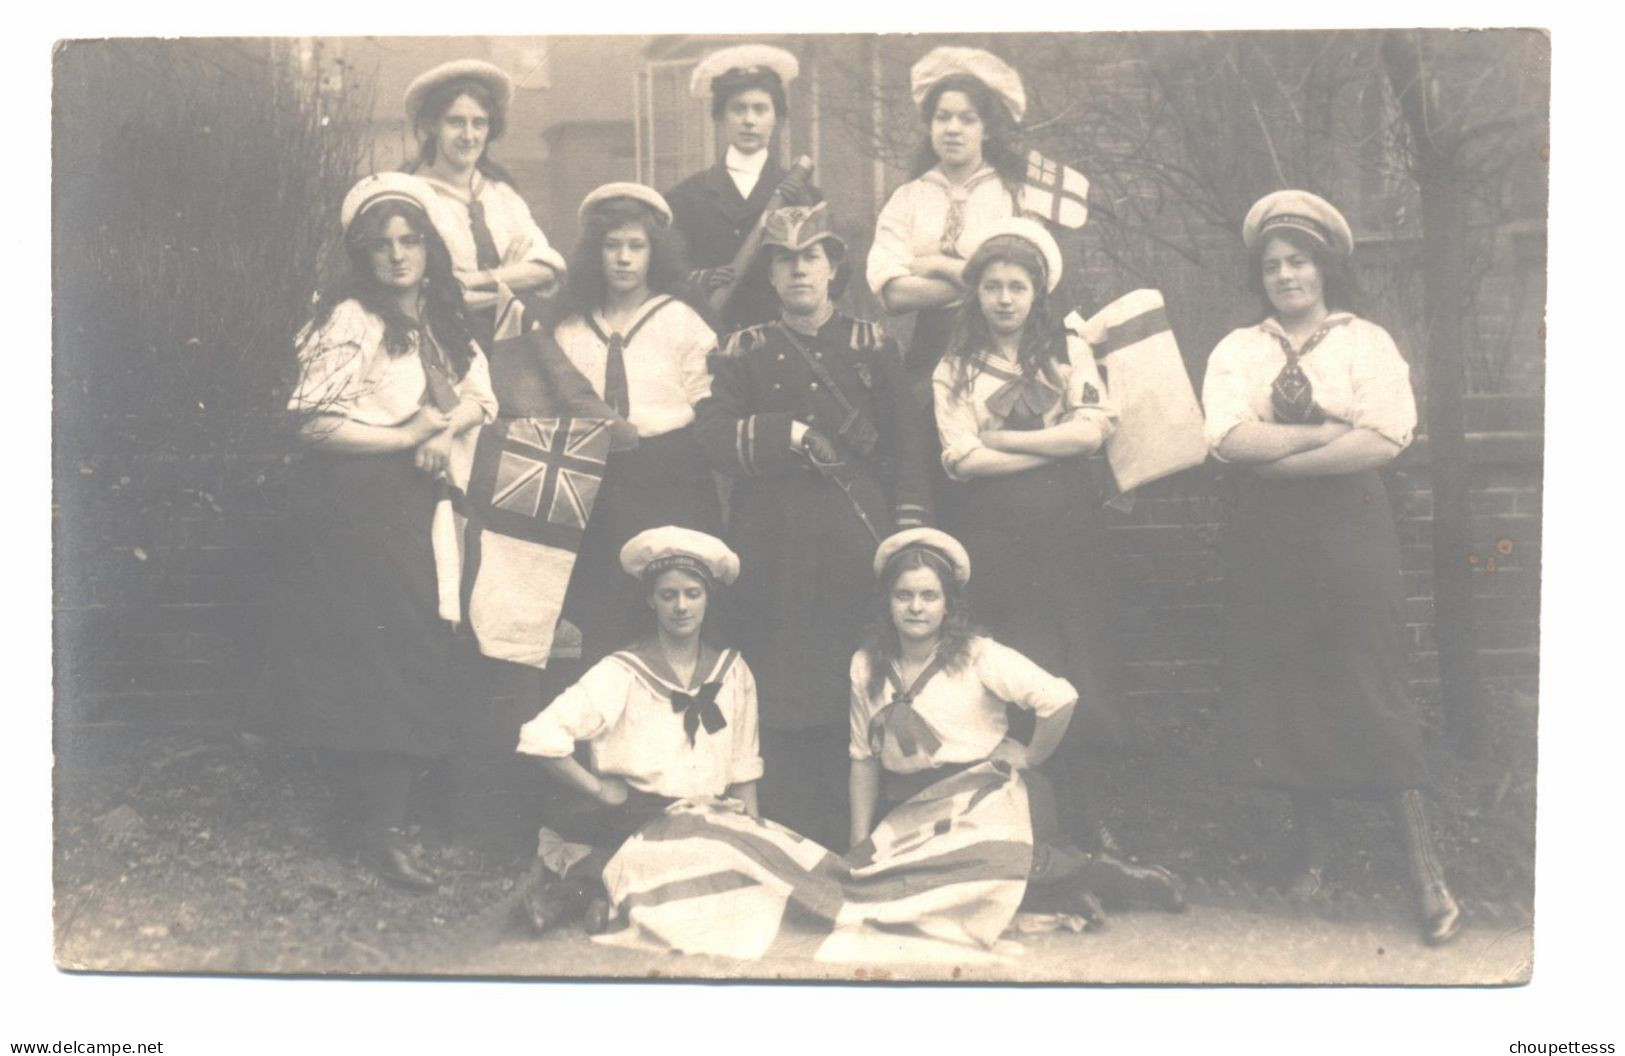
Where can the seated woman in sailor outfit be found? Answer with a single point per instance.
(667, 718)
(930, 698)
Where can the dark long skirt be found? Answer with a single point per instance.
(1042, 579)
(364, 659)
(664, 480)
(1042, 584)
(804, 594)
(932, 329)
(1315, 693)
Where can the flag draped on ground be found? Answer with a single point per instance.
(947, 867)
(522, 490)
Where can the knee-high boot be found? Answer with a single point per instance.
(1441, 916)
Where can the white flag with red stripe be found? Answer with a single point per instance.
(1054, 192)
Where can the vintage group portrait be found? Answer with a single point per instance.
(951, 507)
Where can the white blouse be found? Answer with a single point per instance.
(1356, 373)
(623, 709)
(965, 708)
(518, 239)
(913, 222)
(745, 170)
(345, 370)
(962, 416)
(666, 371)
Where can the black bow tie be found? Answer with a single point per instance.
(699, 708)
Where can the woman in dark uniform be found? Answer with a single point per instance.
(716, 209)
(1020, 406)
(811, 416)
(1310, 403)
(644, 352)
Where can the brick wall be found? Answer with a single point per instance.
(159, 617)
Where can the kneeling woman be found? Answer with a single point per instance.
(929, 701)
(669, 717)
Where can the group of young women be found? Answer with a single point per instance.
(822, 657)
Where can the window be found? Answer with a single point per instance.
(675, 136)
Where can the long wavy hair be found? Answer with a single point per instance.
(999, 129)
(434, 106)
(585, 283)
(881, 645)
(1043, 343)
(1337, 281)
(443, 301)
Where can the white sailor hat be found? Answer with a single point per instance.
(384, 187)
(1028, 230)
(495, 79)
(931, 540)
(637, 191)
(1309, 213)
(998, 75)
(742, 62)
(657, 550)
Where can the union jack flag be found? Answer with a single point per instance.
(1054, 192)
(537, 478)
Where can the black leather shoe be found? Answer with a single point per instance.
(1083, 902)
(390, 854)
(1125, 883)
(599, 916)
(1441, 915)
(554, 900)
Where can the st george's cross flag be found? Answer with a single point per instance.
(522, 489)
(1055, 193)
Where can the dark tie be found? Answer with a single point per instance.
(485, 246)
(616, 393)
(1291, 394)
(699, 708)
(439, 389)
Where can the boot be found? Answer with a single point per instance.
(1122, 883)
(1056, 885)
(1441, 916)
(390, 854)
(1120, 878)
(552, 900)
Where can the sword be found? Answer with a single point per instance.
(832, 471)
